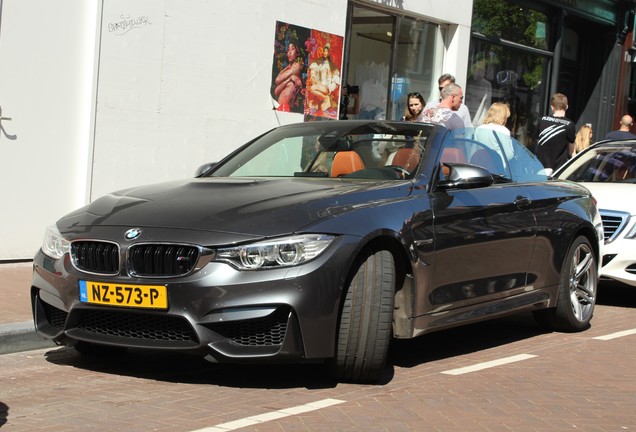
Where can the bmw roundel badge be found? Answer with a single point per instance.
(132, 233)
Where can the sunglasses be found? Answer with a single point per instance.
(414, 94)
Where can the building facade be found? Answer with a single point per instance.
(522, 52)
(100, 95)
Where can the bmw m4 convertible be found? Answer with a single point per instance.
(322, 242)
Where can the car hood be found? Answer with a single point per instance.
(252, 207)
(612, 196)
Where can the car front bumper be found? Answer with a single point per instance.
(619, 261)
(220, 313)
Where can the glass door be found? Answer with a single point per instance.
(389, 57)
(418, 63)
(370, 45)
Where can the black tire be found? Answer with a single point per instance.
(577, 291)
(365, 328)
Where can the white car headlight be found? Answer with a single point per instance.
(54, 245)
(282, 252)
(632, 232)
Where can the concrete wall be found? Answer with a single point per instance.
(47, 58)
(189, 83)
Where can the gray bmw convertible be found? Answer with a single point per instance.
(322, 242)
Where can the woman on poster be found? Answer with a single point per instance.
(288, 83)
(324, 81)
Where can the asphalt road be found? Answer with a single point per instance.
(504, 375)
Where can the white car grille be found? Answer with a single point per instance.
(613, 223)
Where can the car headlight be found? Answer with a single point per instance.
(632, 233)
(281, 252)
(54, 245)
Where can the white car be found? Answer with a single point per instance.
(608, 170)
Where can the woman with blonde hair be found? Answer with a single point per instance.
(493, 131)
(583, 138)
(496, 117)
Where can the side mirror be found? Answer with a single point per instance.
(463, 176)
(204, 169)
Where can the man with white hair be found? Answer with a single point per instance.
(462, 111)
(445, 113)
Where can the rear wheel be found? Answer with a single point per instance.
(577, 291)
(365, 328)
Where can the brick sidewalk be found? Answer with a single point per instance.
(15, 304)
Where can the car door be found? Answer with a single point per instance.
(482, 244)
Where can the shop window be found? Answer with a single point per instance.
(499, 73)
(415, 66)
(508, 62)
(418, 63)
(512, 22)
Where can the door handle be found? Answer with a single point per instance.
(522, 202)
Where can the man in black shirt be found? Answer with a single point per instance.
(556, 137)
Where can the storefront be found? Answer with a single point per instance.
(521, 52)
(393, 51)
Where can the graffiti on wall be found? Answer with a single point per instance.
(127, 23)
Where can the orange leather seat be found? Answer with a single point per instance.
(346, 162)
(407, 158)
(451, 154)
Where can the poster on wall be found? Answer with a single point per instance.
(306, 71)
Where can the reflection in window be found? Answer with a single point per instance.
(511, 22)
(512, 70)
(418, 59)
(499, 73)
(604, 165)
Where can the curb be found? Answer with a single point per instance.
(16, 337)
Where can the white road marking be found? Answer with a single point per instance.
(274, 415)
(616, 335)
(489, 364)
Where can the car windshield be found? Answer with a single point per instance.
(376, 150)
(607, 163)
(380, 150)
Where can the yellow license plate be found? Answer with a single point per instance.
(135, 296)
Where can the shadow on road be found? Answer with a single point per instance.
(4, 413)
(616, 294)
(172, 367)
(182, 368)
(403, 353)
(463, 340)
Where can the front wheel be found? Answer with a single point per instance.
(577, 291)
(365, 328)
